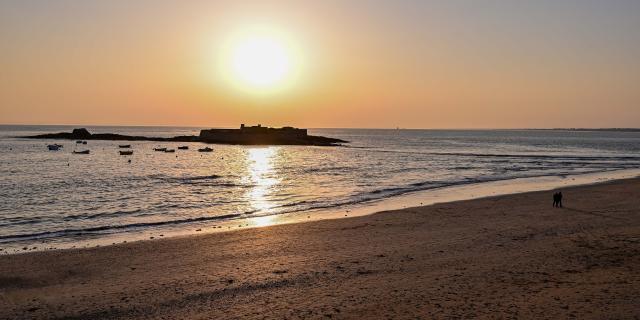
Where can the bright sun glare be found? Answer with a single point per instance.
(260, 61)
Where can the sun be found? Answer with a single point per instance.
(260, 60)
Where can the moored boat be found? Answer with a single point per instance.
(170, 150)
(124, 146)
(160, 149)
(81, 152)
(205, 149)
(126, 152)
(183, 148)
(53, 147)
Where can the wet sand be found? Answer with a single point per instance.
(509, 256)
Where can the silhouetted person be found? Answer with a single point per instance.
(560, 199)
(555, 199)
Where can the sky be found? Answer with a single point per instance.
(351, 64)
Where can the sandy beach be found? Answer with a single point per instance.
(511, 256)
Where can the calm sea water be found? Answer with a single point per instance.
(51, 195)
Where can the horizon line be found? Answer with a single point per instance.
(355, 128)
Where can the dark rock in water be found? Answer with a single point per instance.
(256, 135)
(81, 133)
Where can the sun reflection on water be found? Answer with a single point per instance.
(260, 163)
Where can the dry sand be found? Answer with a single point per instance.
(505, 257)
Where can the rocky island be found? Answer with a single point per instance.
(245, 135)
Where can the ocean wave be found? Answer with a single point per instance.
(20, 221)
(539, 156)
(206, 180)
(186, 178)
(514, 155)
(337, 169)
(117, 213)
(106, 228)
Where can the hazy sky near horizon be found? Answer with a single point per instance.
(412, 64)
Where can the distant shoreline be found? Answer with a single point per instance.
(595, 129)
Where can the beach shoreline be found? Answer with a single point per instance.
(418, 198)
(508, 256)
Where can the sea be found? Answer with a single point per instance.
(58, 199)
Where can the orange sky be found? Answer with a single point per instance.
(412, 64)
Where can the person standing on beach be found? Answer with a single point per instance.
(557, 200)
(560, 199)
